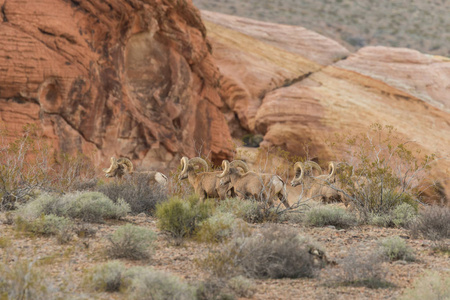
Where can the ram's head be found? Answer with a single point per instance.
(118, 168)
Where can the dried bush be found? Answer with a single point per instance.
(60, 227)
(180, 218)
(216, 228)
(329, 215)
(137, 192)
(383, 171)
(395, 248)
(432, 223)
(132, 242)
(431, 286)
(87, 206)
(362, 270)
(214, 289)
(242, 286)
(275, 252)
(108, 277)
(23, 280)
(157, 285)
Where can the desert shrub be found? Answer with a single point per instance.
(216, 228)
(138, 193)
(181, 218)
(383, 172)
(362, 270)
(250, 211)
(4, 242)
(395, 248)
(431, 286)
(23, 280)
(47, 225)
(401, 216)
(242, 286)
(432, 223)
(108, 277)
(130, 241)
(329, 215)
(215, 289)
(87, 206)
(275, 252)
(157, 285)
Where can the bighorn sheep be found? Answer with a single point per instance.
(318, 186)
(206, 184)
(123, 167)
(265, 187)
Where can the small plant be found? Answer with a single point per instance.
(431, 286)
(242, 286)
(432, 223)
(362, 270)
(108, 277)
(157, 285)
(329, 215)
(249, 210)
(130, 241)
(395, 248)
(181, 218)
(138, 193)
(402, 215)
(216, 228)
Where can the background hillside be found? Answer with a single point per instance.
(414, 24)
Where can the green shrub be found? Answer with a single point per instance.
(181, 218)
(130, 241)
(242, 286)
(87, 206)
(216, 228)
(108, 277)
(275, 252)
(329, 215)
(23, 280)
(249, 210)
(395, 248)
(138, 193)
(402, 215)
(431, 286)
(157, 285)
(432, 223)
(61, 227)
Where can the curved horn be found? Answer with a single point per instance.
(199, 161)
(127, 163)
(331, 169)
(298, 167)
(113, 165)
(313, 165)
(184, 164)
(226, 168)
(240, 164)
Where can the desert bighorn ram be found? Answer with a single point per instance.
(265, 187)
(123, 166)
(206, 184)
(318, 186)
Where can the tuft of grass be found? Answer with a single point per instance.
(87, 206)
(132, 242)
(402, 215)
(48, 225)
(329, 215)
(108, 277)
(430, 286)
(395, 248)
(242, 286)
(138, 193)
(180, 219)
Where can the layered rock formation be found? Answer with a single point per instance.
(126, 78)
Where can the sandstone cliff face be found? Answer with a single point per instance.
(131, 78)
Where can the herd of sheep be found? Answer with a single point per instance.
(236, 180)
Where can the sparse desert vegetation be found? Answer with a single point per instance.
(119, 239)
